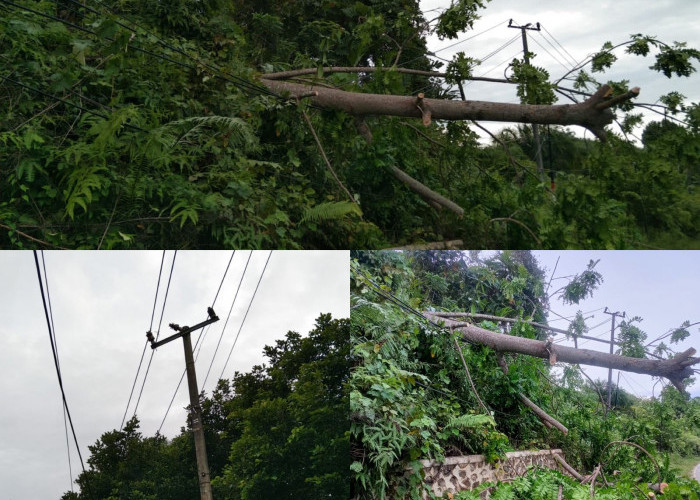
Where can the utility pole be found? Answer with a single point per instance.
(612, 346)
(535, 126)
(195, 410)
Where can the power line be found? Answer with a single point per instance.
(226, 323)
(138, 370)
(68, 103)
(571, 58)
(237, 81)
(549, 53)
(53, 331)
(199, 337)
(55, 358)
(246, 315)
(165, 299)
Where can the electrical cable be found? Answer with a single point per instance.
(195, 346)
(452, 45)
(226, 323)
(59, 99)
(165, 299)
(138, 370)
(241, 81)
(470, 82)
(55, 359)
(571, 58)
(53, 332)
(237, 81)
(246, 315)
(549, 53)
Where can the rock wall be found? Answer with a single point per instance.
(467, 472)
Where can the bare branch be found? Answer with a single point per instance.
(546, 419)
(425, 191)
(325, 158)
(510, 219)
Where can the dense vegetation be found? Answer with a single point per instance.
(280, 431)
(142, 124)
(411, 399)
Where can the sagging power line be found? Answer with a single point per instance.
(55, 359)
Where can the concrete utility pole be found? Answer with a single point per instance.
(612, 345)
(535, 127)
(195, 410)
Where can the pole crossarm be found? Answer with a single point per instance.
(184, 330)
(676, 369)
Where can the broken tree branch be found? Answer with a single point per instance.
(469, 377)
(546, 419)
(425, 191)
(434, 199)
(325, 158)
(675, 370)
(568, 467)
(586, 114)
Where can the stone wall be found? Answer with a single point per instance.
(467, 472)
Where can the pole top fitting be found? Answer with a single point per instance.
(212, 314)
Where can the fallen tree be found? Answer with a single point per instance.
(676, 369)
(593, 114)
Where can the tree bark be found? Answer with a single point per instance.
(593, 114)
(514, 320)
(675, 370)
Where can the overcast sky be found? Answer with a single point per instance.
(102, 304)
(581, 28)
(659, 286)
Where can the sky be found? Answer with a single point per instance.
(102, 304)
(659, 286)
(580, 28)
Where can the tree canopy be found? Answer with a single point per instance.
(240, 124)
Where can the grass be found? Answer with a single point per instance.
(684, 464)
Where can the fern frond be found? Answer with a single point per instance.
(190, 130)
(334, 210)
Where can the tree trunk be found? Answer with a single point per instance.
(593, 114)
(676, 369)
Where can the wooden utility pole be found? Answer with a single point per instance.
(535, 127)
(612, 346)
(195, 410)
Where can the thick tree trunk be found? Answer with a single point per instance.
(593, 114)
(676, 369)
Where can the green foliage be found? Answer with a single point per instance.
(533, 82)
(582, 285)
(164, 136)
(543, 484)
(458, 17)
(460, 68)
(631, 339)
(410, 399)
